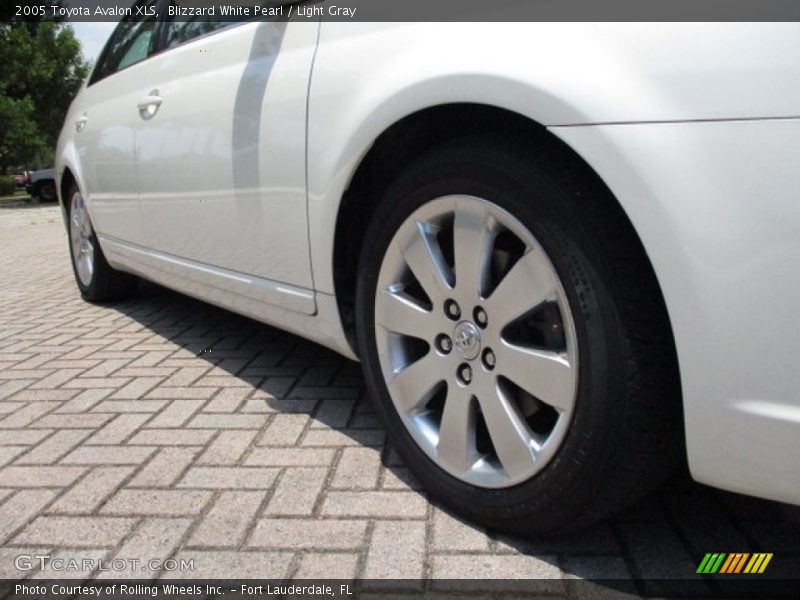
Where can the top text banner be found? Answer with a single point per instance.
(414, 10)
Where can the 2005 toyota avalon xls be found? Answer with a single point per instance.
(566, 255)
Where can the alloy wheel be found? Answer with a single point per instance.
(476, 341)
(81, 239)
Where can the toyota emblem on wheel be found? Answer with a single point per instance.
(467, 339)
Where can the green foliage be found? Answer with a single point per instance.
(41, 70)
(7, 186)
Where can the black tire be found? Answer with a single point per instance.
(626, 433)
(106, 284)
(46, 191)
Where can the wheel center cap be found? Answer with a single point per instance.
(467, 338)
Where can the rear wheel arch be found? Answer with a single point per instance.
(67, 181)
(398, 146)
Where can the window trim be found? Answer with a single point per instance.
(153, 49)
(158, 41)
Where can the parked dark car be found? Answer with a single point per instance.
(22, 179)
(42, 185)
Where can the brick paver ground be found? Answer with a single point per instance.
(164, 427)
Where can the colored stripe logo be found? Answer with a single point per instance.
(734, 563)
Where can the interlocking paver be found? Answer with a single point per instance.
(129, 406)
(19, 508)
(84, 400)
(229, 520)
(167, 427)
(326, 534)
(318, 565)
(76, 532)
(153, 540)
(136, 388)
(229, 564)
(11, 386)
(164, 469)
(397, 551)
(297, 491)
(156, 502)
(172, 437)
(54, 447)
(9, 453)
(89, 493)
(352, 437)
(108, 455)
(119, 429)
(470, 568)
(27, 414)
(223, 421)
(375, 504)
(39, 476)
(176, 414)
(284, 430)
(73, 421)
(220, 478)
(227, 400)
(358, 468)
(8, 407)
(22, 437)
(453, 534)
(228, 448)
(290, 457)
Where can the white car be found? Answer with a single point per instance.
(565, 254)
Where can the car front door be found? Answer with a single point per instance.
(221, 149)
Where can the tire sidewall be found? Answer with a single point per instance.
(43, 197)
(87, 291)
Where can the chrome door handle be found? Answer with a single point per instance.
(80, 123)
(148, 106)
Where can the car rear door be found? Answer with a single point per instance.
(105, 125)
(221, 150)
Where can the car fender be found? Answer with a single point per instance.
(67, 160)
(554, 74)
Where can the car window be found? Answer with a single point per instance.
(180, 29)
(130, 42)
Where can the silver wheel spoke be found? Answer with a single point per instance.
(530, 282)
(472, 243)
(399, 313)
(424, 257)
(471, 374)
(511, 438)
(75, 239)
(86, 227)
(413, 384)
(80, 238)
(456, 446)
(544, 374)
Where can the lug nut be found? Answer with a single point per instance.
(481, 318)
(443, 343)
(452, 309)
(465, 373)
(489, 359)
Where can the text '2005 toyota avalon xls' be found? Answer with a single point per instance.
(566, 255)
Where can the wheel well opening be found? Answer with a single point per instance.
(67, 181)
(391, 153)
(411, 137)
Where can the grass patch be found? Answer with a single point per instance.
(18, 195)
